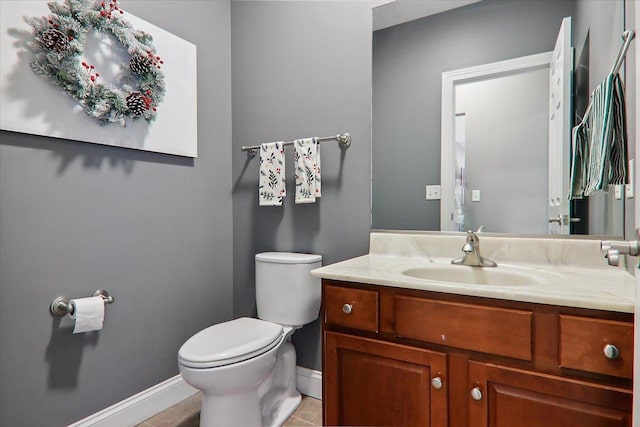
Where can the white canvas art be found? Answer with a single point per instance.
(30, 104)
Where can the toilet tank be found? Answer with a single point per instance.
(286, 293)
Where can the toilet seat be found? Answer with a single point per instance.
(230, 342)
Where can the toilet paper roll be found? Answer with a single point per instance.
(88, 314)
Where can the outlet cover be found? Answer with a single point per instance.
(617, 191)
(433, 192)
(475, 195)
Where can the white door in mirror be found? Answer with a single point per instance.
(560, 87)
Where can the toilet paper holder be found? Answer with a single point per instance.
(61, 305)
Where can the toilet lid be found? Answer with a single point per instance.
(288, 258)
(229, 342)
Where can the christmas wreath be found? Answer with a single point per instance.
(60, 41)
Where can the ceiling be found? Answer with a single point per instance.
(387, 13)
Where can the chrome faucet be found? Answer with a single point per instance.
(472, 257)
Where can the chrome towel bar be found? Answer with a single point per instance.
(62, 306)
(628, 37)
(344, 139)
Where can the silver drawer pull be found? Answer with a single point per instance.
(611, 351)
(347, 308)
(476, 393)
(436, 383)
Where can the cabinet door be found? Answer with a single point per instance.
(373, 383)
(506, 397)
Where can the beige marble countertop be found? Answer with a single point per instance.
(568, 272)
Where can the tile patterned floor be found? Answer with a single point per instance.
(309, 413)
(187, 414)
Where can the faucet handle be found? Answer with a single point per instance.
(472, 237)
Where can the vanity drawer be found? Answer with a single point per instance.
(351, 308)
(499, 331)
(583, 342)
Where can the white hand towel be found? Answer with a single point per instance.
(272, 186)
(307, 161)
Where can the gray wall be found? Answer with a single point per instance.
(598, 26)
(301, 69)
(152, 229)
(408, 61)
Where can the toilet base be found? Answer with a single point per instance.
(257, 392)
(234, 410)
(285, 409)
(219, 411)
(279, 395)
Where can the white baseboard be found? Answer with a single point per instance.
(309, 382)
(159, 397)
(141, 406)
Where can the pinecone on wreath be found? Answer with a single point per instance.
(140, 64)
(136, 104)
(54, 39)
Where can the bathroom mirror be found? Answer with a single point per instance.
(409, 59)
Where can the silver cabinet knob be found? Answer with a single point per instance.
(436, 383)
(347, 308)
(611, 351)
(476, 393)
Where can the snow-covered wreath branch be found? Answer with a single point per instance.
(60, 41)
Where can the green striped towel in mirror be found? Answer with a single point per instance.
(600, 155)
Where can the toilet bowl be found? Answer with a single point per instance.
(246, 368)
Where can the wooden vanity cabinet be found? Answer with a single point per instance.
(507, 397)
(377, 383)
(394, 356)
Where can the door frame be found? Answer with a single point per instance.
(447, 139)
(636, 375)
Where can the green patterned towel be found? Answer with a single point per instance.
(600, 153)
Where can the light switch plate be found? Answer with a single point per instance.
(475, 195)
(433, 192)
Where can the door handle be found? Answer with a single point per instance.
(558, 220)
(613, 249)
(563, 220)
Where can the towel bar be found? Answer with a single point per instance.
(628, 37)
(344, 139)
(62, 306)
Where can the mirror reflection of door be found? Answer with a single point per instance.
(511, 143)
(560, 123)
(504, 161)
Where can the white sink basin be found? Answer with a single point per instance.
(488, 276)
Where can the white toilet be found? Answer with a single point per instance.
(246, 368)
